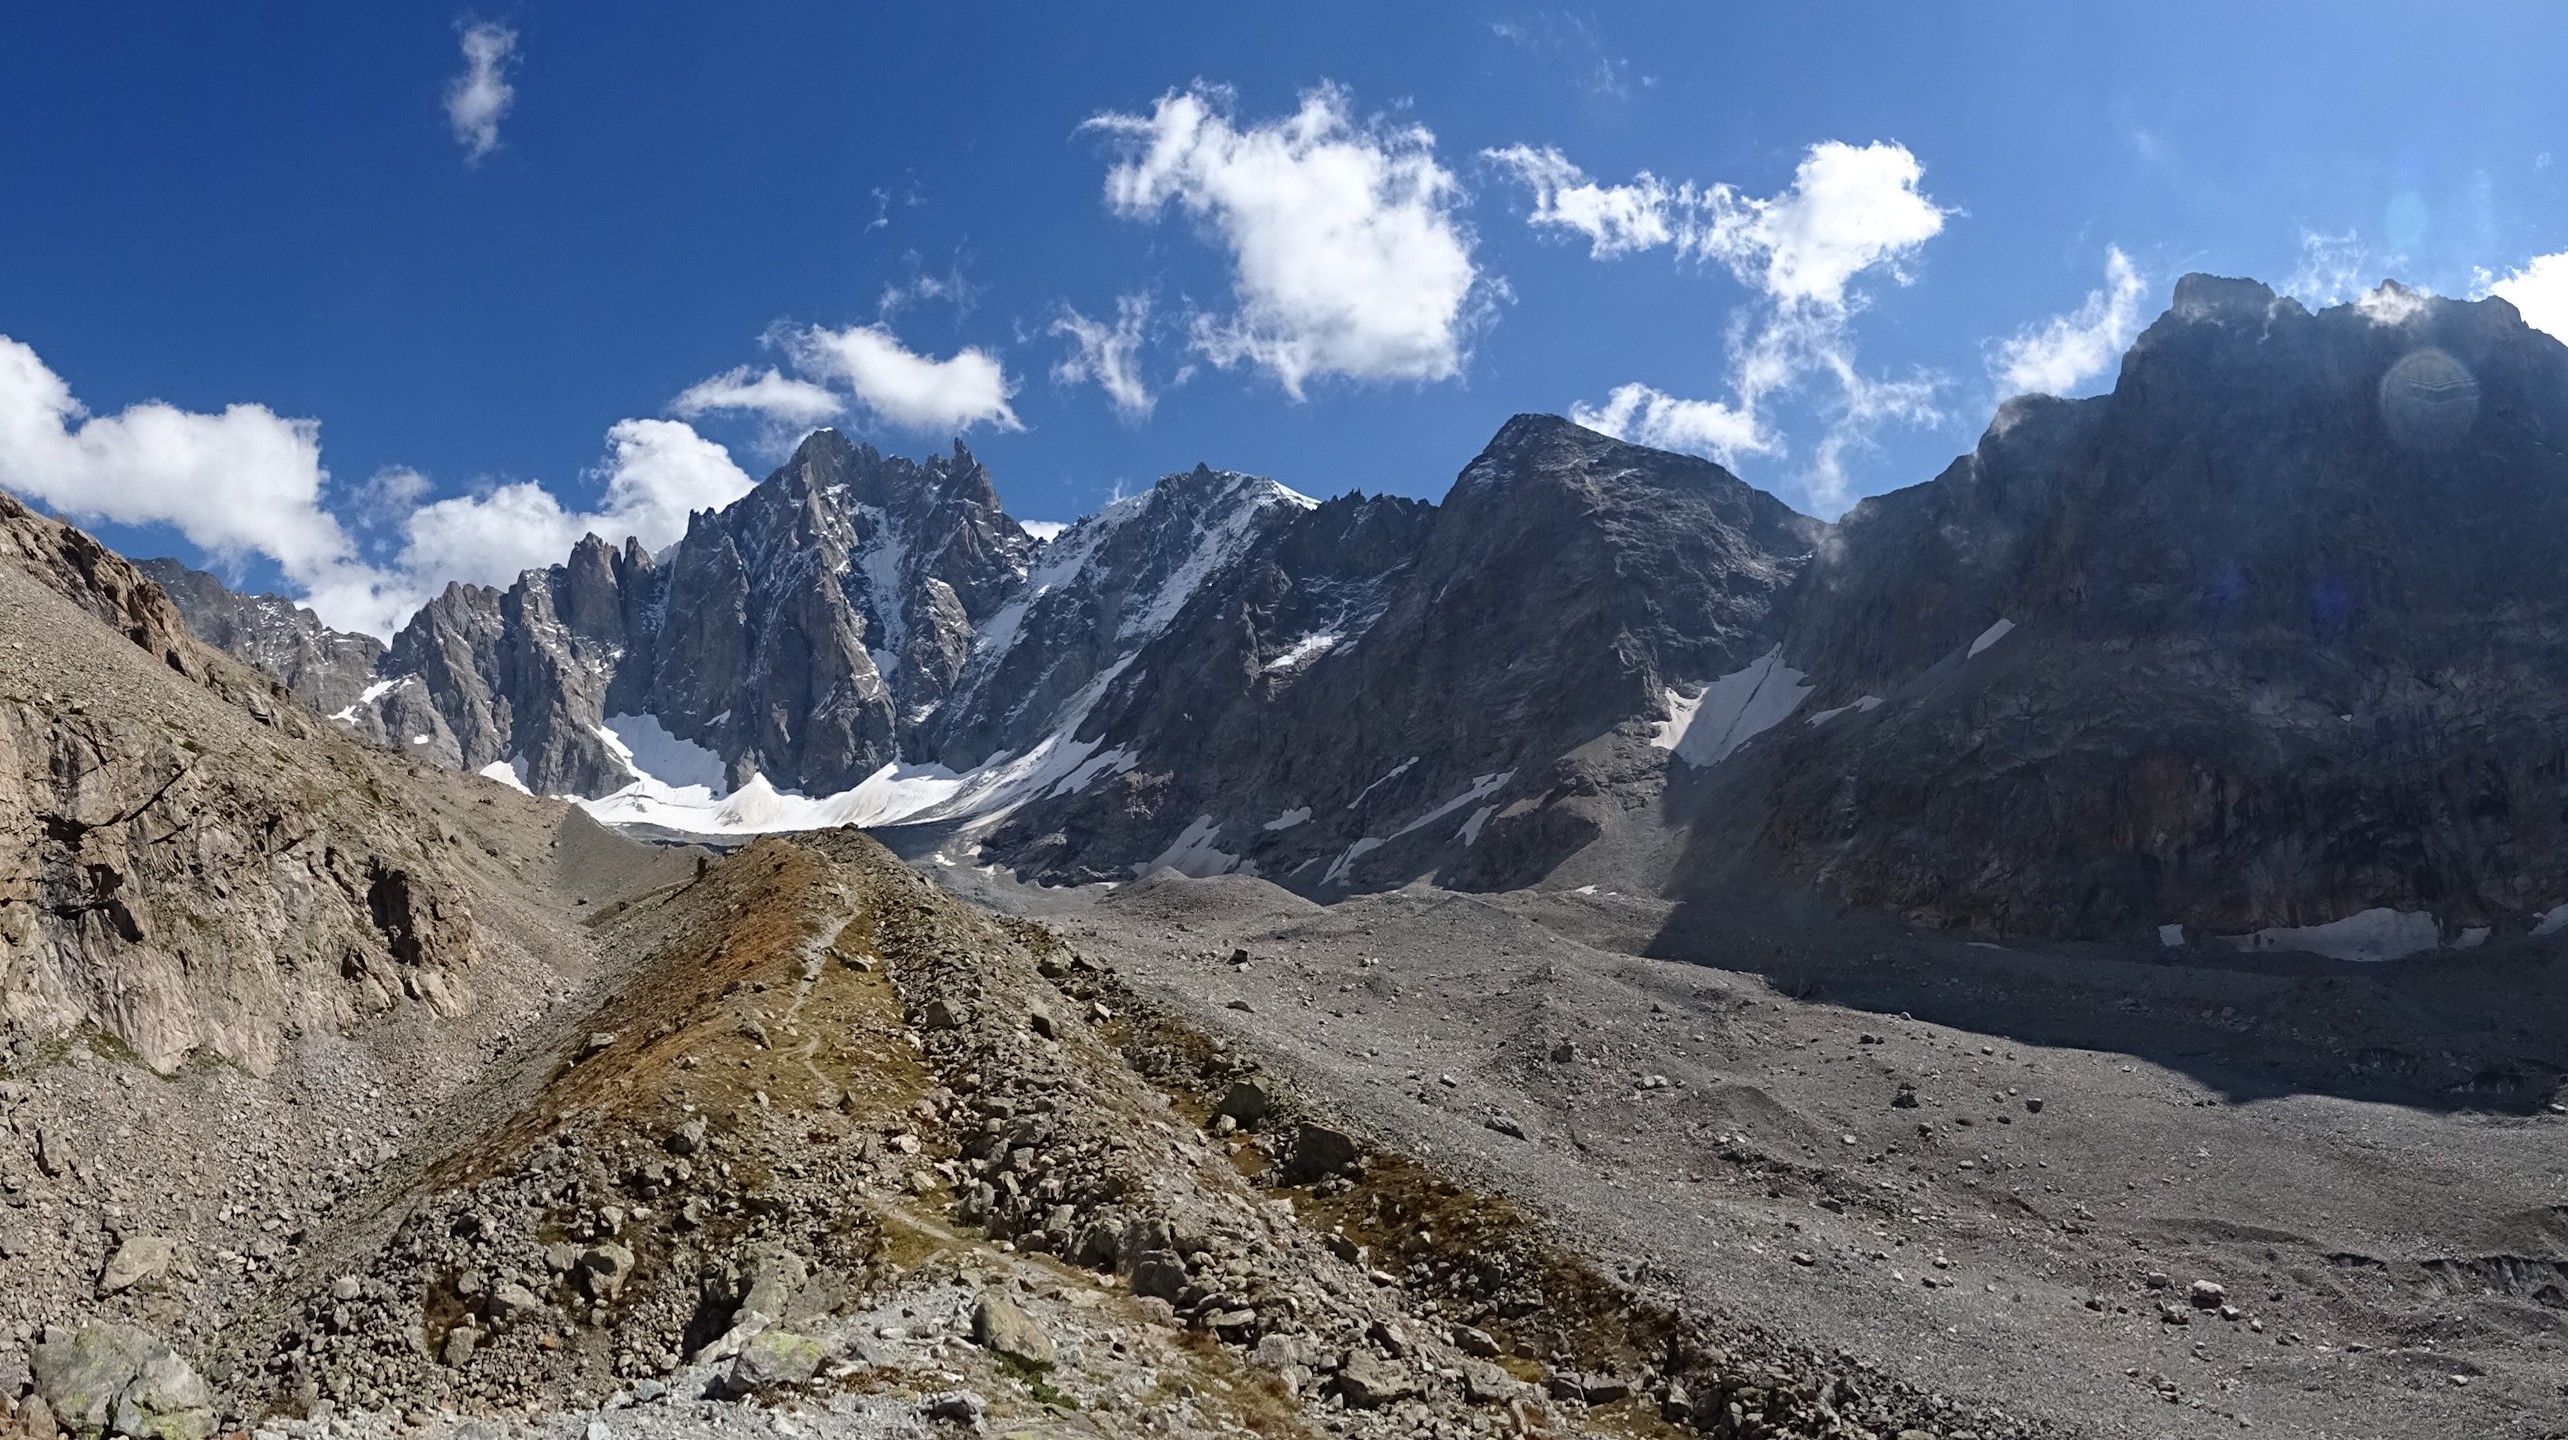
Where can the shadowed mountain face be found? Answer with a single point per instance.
(1384, 687)
(2287, 619)
(2265, 639)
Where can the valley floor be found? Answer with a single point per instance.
(2127, 1196)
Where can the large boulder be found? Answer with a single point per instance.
(1003, 1328)
(105, 1378)
(139, 1259)
(771, 1358)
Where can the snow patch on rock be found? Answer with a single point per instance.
(648, 750)
(1305, 650)
(1395, 773)
(1482, 786)
(2379, 933)
(1341, 870)
(1193, 853)
(896, 794)
(1731, 711)
(1990, 636)
(1469, 834)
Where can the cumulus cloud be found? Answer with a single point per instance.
(2539, 291)
(903, 388)
(1349, 255)
(476, 99)
(1852, 210)
(1108, 355)
(2066, 351)
(656, 473)
(245, 481)
(772, 394)
(248, 482)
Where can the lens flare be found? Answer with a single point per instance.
(2429, 401)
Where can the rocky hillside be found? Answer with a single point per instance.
(318, 1116)
(192, 862)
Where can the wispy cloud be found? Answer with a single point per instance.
(1851, 211)
(1653, 417)
(1108, 354)
(1349, 255)
(2332, 269)
(2066, 351)
(1581, 54)
(476, 99)
(903, 388)
(769, 393)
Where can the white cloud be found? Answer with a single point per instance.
(241, 482)
(247, 481)
(2539, 291)
(1655, 418)
(658, 472)
(1349, 255)
(1616, 219)
(2064, 353)
(2390, 303)
(1108, 354)
(476, 99)
(1851, 210)
(2330, 271)
(773, 395)
(904, 388)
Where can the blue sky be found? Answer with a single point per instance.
(1344, 242)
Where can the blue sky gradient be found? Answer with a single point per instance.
(268, 204)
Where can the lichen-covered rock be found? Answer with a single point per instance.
(82, 1373)
(108, 1378)
(1001, 1326)
(774, 1357)
(168, 1400)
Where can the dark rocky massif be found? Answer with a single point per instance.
(2289, 606)
(2260, 640)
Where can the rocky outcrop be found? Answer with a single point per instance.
(326, 669)
(105, 1378)
(2267, 637)
(188, 859)
(805, 634)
